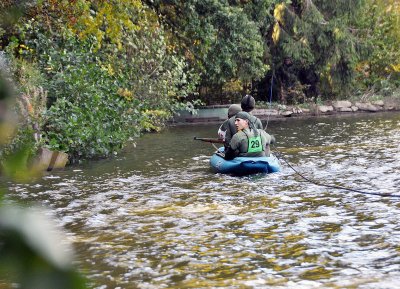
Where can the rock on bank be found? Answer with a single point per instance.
(218, 113)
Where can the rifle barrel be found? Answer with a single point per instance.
(210, 140)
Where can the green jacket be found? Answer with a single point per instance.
(239, 144)
(231, 128)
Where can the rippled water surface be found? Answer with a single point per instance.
(156, 217)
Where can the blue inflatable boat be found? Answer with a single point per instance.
(241, 166)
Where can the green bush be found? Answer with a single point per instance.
(99, 99)
(94, 127)
(26, 107)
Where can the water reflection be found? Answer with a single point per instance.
(156, 217)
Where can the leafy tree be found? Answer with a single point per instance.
(219, 39)
(109, 72)
(317, 37)
(378, 26)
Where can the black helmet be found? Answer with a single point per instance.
(248, 103)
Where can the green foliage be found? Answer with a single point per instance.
(94, 127)
(107, 20)
(87, 118)
(378, 28)
(100, 95)
(27, 75)
(31, 254)
(16, 154)
(17, 142)
(155, 76)
(236, 50)
(316, 34)
(218, 38)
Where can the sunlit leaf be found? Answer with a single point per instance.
(33, 252)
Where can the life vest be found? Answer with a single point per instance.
(254, 144)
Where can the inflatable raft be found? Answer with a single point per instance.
(245, 165)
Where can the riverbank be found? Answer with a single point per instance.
(217, 113)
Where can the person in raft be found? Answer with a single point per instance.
(232, 111)
(247, 104)
(248, 141)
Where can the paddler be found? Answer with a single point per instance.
(247, 104)
(248, 141)
(232, 111)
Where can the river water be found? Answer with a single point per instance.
(155, 216)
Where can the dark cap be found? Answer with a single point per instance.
(250, 118)
(243, 115)
(248, 103)
(233, 110)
